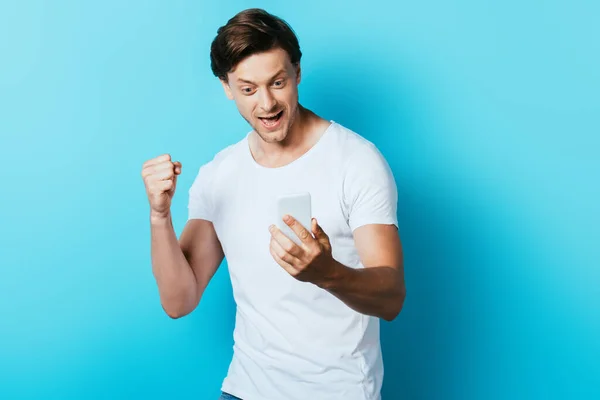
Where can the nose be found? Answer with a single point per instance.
(267, 101)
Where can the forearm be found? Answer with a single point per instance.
(377, 291)
(174, 276)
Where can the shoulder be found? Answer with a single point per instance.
(231, 153)
(369, 190)
(222, 165)
(364, 169)
(355, 151)
(225, 159)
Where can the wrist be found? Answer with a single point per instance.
(159, 218)
(334, 275)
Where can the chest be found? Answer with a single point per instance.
(247, 207)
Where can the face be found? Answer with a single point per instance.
(264, 87)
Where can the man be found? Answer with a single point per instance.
(307, 319)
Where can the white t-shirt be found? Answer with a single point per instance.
(294, 340)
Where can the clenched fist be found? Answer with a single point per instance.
(160, 178)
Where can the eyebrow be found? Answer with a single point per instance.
(252, 83)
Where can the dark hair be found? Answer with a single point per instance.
(249, 32)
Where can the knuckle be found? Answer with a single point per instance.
(304, 234)
(148, 171)
(315, 253)
(148, 179)
(288, 247)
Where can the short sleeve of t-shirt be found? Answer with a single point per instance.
(370, 189)
(199, 202)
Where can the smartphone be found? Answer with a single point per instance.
(298, 205)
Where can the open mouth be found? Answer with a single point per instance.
(272, 121)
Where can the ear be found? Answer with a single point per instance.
(298, 73)
(227, 89)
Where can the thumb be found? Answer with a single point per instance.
(177, 170)
(320, 235)
(177, 167)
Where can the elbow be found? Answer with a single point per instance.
(180, 304)
(174, 312)
(396, 306)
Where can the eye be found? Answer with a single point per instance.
(279, 83)
(247, 90)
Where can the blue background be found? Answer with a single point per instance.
(488, 113)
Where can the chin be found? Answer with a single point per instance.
(272, 136)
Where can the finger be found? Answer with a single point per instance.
(289, 268)
(300, 231)
(153, 169)
(284, 255)
(318, 231)
(157, 160)
(163, 186)
(178, 167)
(161, 175)
(286, 243)
(165, 166)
